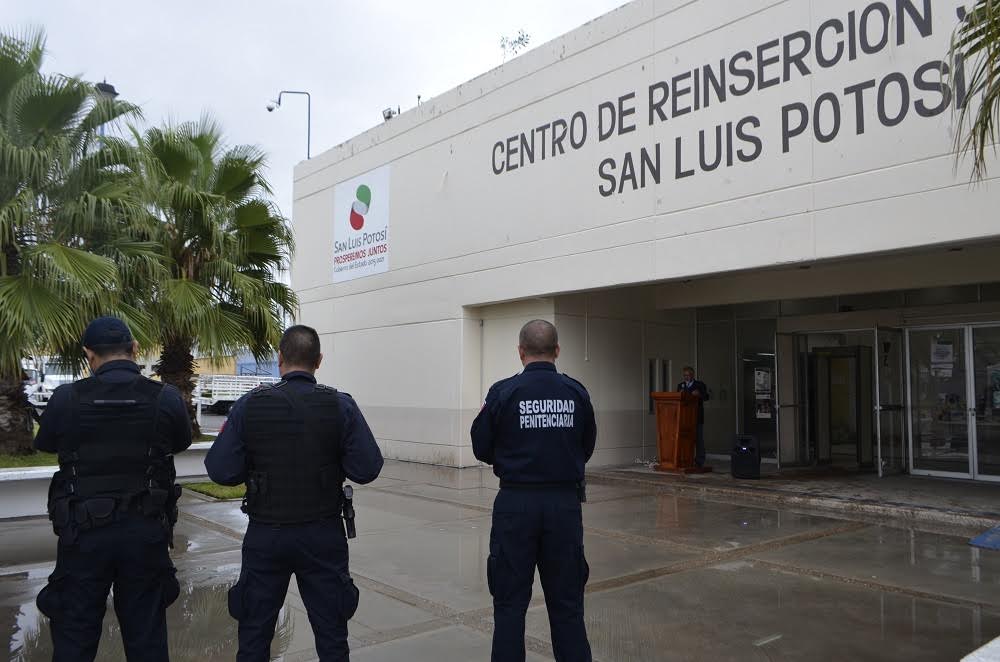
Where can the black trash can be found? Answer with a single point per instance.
(746, 457)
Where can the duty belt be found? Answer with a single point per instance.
(580, 487)
(562, 485)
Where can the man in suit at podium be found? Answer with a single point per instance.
(700, 390)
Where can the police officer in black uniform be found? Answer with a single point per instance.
(293, 444)
(537, 429)
(113, 502)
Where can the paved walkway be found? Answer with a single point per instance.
(673, 577)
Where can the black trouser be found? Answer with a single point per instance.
(131, 555)
(317, 554)
(543, 528)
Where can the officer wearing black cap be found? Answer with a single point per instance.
(293, 444)
(113, 502)
(537, 429)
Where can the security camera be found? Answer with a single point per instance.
(271, 106)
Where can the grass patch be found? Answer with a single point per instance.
(35, 459)
(205, 437)
(217, 491)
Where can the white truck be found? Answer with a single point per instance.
(217, 393)
(38, 386)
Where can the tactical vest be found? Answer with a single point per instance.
(293, 445)
(118, 458)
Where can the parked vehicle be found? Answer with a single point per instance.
(34, 385)
(217, 393)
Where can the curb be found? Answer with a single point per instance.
(900, 514)
(24, 490)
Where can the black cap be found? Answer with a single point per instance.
(106, 331)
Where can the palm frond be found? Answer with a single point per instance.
(976, 43)
(72, 269)
(20, 55)
(35, 318)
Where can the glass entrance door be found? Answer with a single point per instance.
(939, 403)
(890, 412)
(985, 405)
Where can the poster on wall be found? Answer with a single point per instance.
(762, 383)
(942, 358)
(361, 226)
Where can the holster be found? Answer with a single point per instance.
(59, 514)
(60, 508)
(171, 506)
(347, 512)
(257, 490)
(154, 502)
(170, 513)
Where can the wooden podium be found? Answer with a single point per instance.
(676, 431)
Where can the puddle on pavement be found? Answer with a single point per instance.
(199, 629)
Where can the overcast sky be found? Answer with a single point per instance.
(229, 57)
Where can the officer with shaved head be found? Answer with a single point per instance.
(537, 429)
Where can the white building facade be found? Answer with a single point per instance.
(766, 191)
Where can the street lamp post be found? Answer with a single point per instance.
(277, 104)
(108, 92)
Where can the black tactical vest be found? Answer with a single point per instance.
(118, 459)
(294, 451)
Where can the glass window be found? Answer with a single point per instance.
(715, 314)
(755, 367)
(938, 397)
(986, 361)
(989, 292)
(871, 301)
(817, 306)
(756, 310)
(939, 296)
(716, 348)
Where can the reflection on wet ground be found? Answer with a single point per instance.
(199, 628)
(672, 578)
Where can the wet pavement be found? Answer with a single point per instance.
(672, 578)
(938, 502)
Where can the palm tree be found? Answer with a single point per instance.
(223, 242)
(976, 42)
(66, 215)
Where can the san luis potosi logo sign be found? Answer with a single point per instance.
(361, 225)
(361, 206)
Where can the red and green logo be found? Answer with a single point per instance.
(360, 207)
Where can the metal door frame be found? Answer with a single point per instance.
(777, 399)
(970, 397)
(972, 413)
(967, 475)
(904, 373)
(796, 384)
